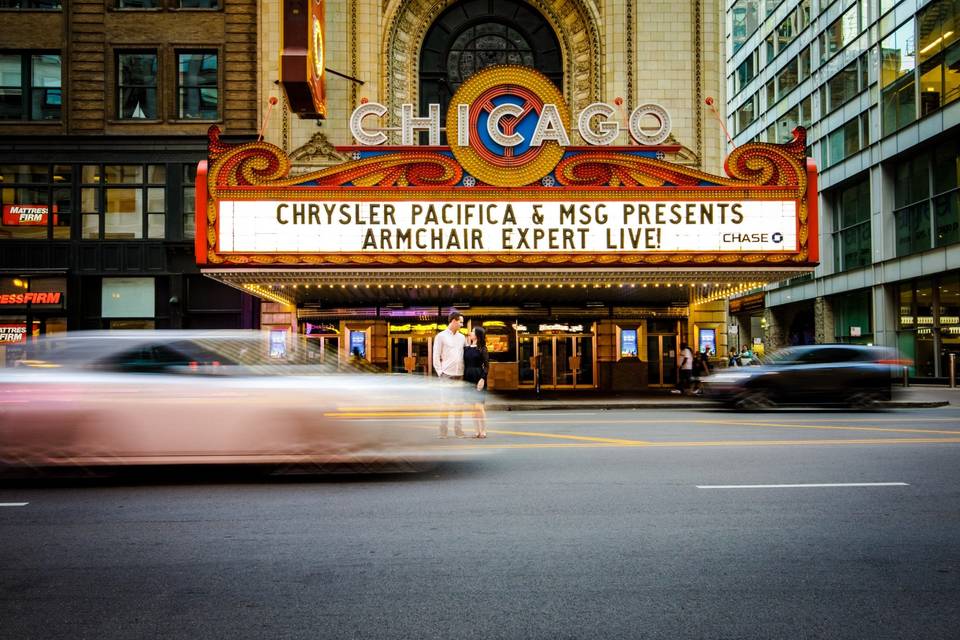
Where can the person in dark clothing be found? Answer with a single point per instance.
(476, 366)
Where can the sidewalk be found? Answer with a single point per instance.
(914, 397)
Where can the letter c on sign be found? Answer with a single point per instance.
(356, 123)
(661, 133)
(493, 125)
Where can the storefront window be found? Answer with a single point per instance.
(189, 200)
(37, 201)
(130, 298)
(853, 317)
(128, 202)
(949, 321)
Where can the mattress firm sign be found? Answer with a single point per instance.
(507, 226)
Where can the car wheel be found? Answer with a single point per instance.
(755, 400)
(864, 400)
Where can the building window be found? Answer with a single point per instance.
(199, 4)
(461, 42)
(946, 194)
(189, 200)
(787, 79)
(197, 93)
(137, 86)
(30, 86)
(839, 34)
(123, 202)
(37, 201)
(786, 123)
(851, 226)
(49, 5)
(745, 73)
(848, 139)
(897, 82)
(744, 20)
(842, 87)
(746, 114)
(912, 202)
(938, 54)
(139, 4)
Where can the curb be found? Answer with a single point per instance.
(599, 406)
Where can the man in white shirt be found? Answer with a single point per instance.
(686, 367)
(448, 363)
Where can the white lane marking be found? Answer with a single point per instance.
(801, 486)
(13, 504)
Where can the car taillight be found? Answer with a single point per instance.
(903, 362)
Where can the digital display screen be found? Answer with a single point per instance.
(358, 344)
(628, 343)
(708, 341)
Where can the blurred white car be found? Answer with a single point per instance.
(136, 398)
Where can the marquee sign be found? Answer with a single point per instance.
(509, 189)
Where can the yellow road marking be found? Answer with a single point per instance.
(617, 441)
(706, 443)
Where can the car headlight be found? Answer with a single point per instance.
(729, 377)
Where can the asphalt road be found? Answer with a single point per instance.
(572, 525)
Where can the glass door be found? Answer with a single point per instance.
(411, 354)
(545, 353)
(558, 361)
(399, 352)
(526, 360)
(661, 360)
(421, 348)
(584, 368)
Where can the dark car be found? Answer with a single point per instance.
(823, 374)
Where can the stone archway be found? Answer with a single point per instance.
(575, 22)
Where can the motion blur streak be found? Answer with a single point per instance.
(148, 398)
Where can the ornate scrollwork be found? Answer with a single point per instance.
(758, 163)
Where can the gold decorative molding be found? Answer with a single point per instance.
(316, 151)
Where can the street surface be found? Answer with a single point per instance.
(575, 524)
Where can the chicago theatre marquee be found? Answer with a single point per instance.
(588, 263)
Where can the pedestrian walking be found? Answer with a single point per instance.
(448, 363)
(686, 368)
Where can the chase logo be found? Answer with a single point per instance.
(777, 237)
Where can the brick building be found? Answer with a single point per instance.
(104, 113)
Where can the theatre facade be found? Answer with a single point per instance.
(580, 232)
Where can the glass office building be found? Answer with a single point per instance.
(877, 85)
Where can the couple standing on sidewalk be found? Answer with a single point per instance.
(460, 359)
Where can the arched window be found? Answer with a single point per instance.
(475, 34)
